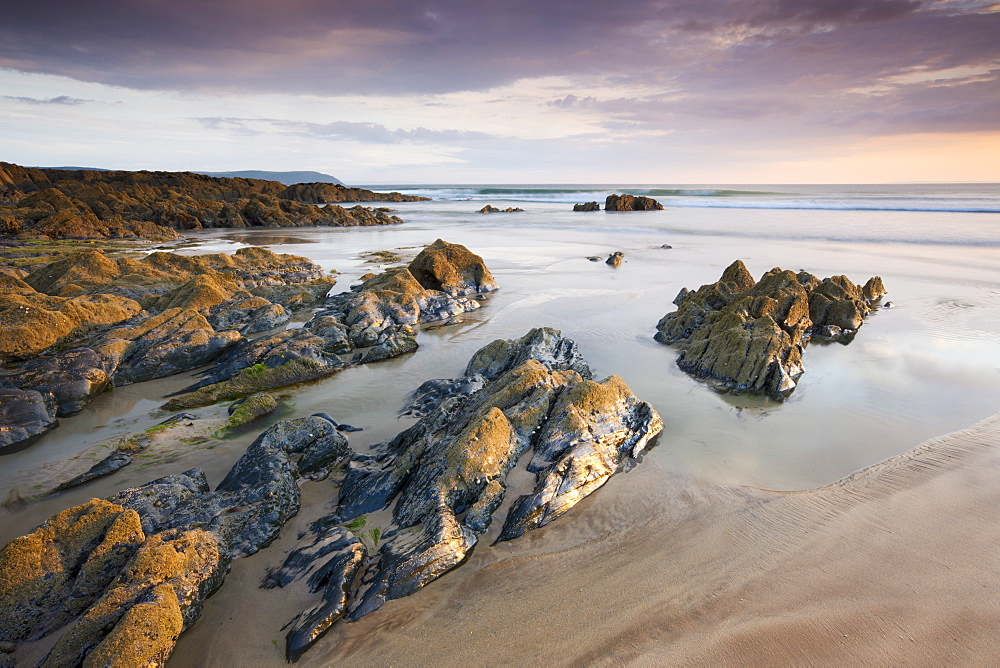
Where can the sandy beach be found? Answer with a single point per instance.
(894, 565)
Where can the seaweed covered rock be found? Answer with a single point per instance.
(631, 203)
(155, 597)
(746, 336)
(370, 323)
(54, 573)
(445, 477)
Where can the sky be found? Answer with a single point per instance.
(509, 91)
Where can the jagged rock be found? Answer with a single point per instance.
(615, 259)
(25, 415)
(156, 596)
(51, 575)
(248, 508)
(328, 564)
(743, 336)
(378, 315)
(588, 206)
(532, 393)
(72, 378)
(452, 269)
(631, 203)
(250, 408)
(173, 341)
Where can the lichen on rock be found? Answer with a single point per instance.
(746, 336)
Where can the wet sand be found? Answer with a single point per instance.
(893, 565)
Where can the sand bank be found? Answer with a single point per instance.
(895, 564)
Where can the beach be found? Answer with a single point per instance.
(814, 531)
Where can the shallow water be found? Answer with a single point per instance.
(926, 367)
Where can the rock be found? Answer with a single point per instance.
(743, 336)
(50, 576)
(446, 475)
(666, 246)
(393, 344)
(174, 341)
(156, 595)
(378, 315)
(615, 259)
(589, 206)
(250, 408)
(25, 415)
(329, 564)
(492, 209)
(247, 509)
(56, 203)
(452, 269)
(72, 378)
(631, 203)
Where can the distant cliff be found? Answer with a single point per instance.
(62, 203)
(288, 178)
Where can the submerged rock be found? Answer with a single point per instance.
(445, 476)
(489, 208)
(746, 336)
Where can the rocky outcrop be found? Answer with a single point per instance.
(587, 206)
(489, 208)
(631, 203)
(446, 476)
(116, 581)
(370, 323)
(615, 259)
(746, 336)
(91, 321)
(59, 204)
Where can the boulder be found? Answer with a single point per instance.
(452, 269)
(588, 206)
(631, 203)
(746, 336)
(615, 259)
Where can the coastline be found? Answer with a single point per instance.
(889, 565)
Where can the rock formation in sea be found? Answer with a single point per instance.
(529, 400)
(372, 322)
(59, 204)
(90, 322)
(587, 206)
(746, 336)
(631, 203)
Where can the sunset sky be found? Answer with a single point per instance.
(509, 91)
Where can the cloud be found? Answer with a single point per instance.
(61, 99)
(370, 133)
